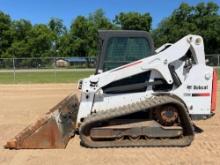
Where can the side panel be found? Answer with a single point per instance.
(196, 90)
(107, 101)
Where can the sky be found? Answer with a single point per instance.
(41, 11)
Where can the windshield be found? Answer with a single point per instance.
(123, 50)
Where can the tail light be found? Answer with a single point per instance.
(214, 90)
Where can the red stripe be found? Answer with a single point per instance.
(201, 94)
(214, 90)
(131, 64)
(128, 65)
(204, 94)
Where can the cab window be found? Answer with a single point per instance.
(123, 50)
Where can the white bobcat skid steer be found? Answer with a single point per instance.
(138, 97)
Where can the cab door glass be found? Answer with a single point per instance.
(123, 50)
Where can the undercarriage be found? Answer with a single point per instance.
(128, 126)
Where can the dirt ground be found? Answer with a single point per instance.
(22, 104)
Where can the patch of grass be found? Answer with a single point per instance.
(43, 77)
(26, 77)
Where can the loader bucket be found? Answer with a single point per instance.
(53, 130)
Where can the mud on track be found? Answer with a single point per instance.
(22, 104)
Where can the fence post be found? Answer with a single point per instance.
(55, 70)
(13, 60)
(218, 61)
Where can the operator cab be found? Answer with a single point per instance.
(117, 48)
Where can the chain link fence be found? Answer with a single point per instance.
(213, 60)
(57, 69)
(45, 70)
(47, 63)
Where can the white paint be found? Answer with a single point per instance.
(93, 99)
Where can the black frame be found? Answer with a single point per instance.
(105, 35)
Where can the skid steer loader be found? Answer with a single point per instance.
(138, 96)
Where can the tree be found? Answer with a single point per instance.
(134, 21)
(21, 29)
(19, 38)
(202, 19)
(6, 36)
(40, 41)
(79, 32)
(84, 31)
(37, 42)
(57, 26)
(99, 20)
(207, 20)
(66, 45)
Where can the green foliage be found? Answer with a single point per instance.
(84, 31)
(5, 32)
(99, 20)
(78, 33)
(41, 41)
(202, 19)
(134, 21)
(19, 38)
(58, 29)
(21, 29)
(57, 26)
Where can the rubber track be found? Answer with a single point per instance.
(148, 103)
